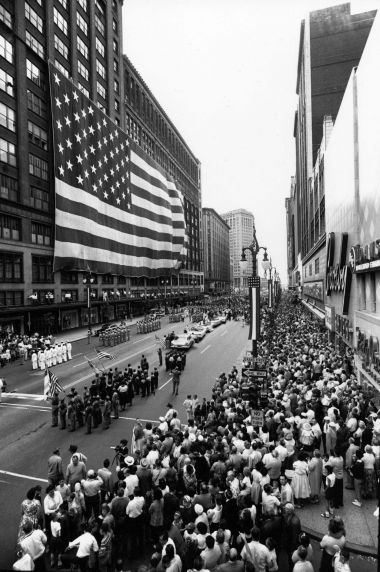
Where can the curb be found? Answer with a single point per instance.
(351, 546)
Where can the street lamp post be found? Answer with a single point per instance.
(276, 285)
(88, 280)
(270, 285)
(254, 289)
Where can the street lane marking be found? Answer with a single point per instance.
(205, 350)
(80, 363)
(224, 333)
(145, 420)
(141, 340)
(166, 383)
(23, 476)
(25, 407)
(38, 407)
(34, 396)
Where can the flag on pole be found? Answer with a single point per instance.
(115, 208)
(51, 383)
(161, 342)
(92, 365)
(101, 354)
(254, 299)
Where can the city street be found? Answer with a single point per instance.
(27, 439)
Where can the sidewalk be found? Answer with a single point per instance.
(361, 525)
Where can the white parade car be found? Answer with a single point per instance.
(198, 332)
(183, 342)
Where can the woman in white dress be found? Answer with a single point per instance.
(300, 481)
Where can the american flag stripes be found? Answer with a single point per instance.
(51, 383)
(116, 209)
(101, 354)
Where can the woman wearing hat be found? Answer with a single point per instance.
(300, 482)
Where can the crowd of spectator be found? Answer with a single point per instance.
(214, 491)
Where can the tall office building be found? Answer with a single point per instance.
(241, 223)
(216, 252)
(149, 126)
(331, 44)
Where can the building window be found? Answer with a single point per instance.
(12, 298)
(69, 277)
(100, 69)
(99, 25)
(100, 90)
(10, 267)
(83, 4)
(69, 295)
(100, 7)
(99, 47)
(6, 17)
(6, 49)
(41, 234)
(115, 66)
(61, 47)
(42, 269)
(107, 279)
(316, 266)
(63, 3)
(82, 47)
(7, 117)
(35, 74)
(82, 70)
(60, 21)
(114, 5)
(37, 135)
(117, 121)
(114, 25)
(101, 107)
(115, 46)
(34, 18)
(116, 86)
(117, 106)
(8, 153)
(310, 269)
(6, 83)
(83, 89)
(10, 227)
(8, 188)
(34, 44)
(35, 103)
(82, 24)
(38, 167)
(39, 199)
(61, 68)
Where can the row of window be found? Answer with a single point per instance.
(37, 166)
(10, 229)
(309, 268)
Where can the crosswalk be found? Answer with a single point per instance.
(31, 396)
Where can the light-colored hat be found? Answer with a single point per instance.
(198, 508)
(144, 463)
(162, 419)
(129, 460)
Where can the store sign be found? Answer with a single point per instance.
(313, 290)
(330, 318)
(338, 276)
(365, 258)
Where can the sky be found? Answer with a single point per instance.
(225, 73)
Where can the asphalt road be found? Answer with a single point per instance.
(26, 435)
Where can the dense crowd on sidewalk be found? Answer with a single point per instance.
(213, 491)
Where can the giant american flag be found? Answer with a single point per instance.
(116, 211)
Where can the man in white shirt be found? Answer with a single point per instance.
(33, 544)
(91, 488)
(256, 553)
(85, 542)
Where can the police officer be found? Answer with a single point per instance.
(62, 413)
(159, 351)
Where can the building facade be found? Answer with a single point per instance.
(150, 127)
(216, 253)
(331, 44)
(83, 39)
(352, 188)
(241, 223)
